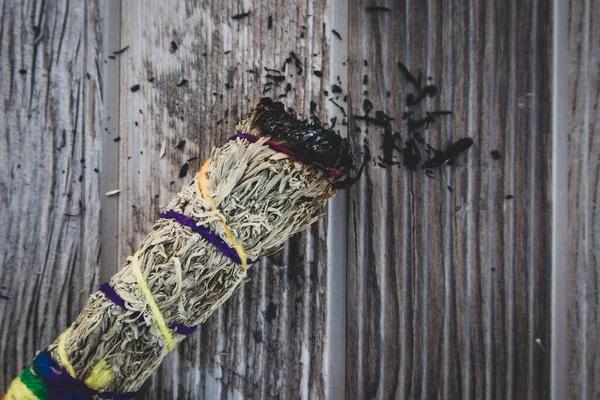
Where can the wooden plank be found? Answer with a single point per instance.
(559, 346)
(337, 220)
(583, 285)
(110, 132)
(449, 291)
(50, 115)
(268, 340)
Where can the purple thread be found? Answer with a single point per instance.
(219, 243)
(248, 136)
(206, 234)
(183, 329)
(110, 292)
(112, 295)
(62, 386)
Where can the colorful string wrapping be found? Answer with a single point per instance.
(46, 380)
(247, 200)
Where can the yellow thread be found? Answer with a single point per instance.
(100, 376)
(160, 321)
(238, 248)
(204, 190)
(18, 391)
(203, 183)
(62, 352)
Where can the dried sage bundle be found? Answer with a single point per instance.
(268, 182)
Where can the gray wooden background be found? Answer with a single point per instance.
(406, 289)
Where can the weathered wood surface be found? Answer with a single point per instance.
(583, 257)
(448, 293)
(268, 340)
(50, 124)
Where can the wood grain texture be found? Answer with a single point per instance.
(268, 340)
(448, 291)
(50, 118)
(583, 333)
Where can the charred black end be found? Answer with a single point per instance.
(307, 141)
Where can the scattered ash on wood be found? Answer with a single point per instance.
(184, 170)
(416, 153)
(241, 16)
(118, 52)
(180, 145)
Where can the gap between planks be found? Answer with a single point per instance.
(109, 215)
(335, 350)
(560, 212)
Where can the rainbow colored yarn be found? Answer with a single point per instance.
(44, 379)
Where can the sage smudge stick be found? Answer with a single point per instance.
(268, 182)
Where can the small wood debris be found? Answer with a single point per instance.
(180, 145)
(116, 53)
(240, 16)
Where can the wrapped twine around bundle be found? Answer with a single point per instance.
(249, 197)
